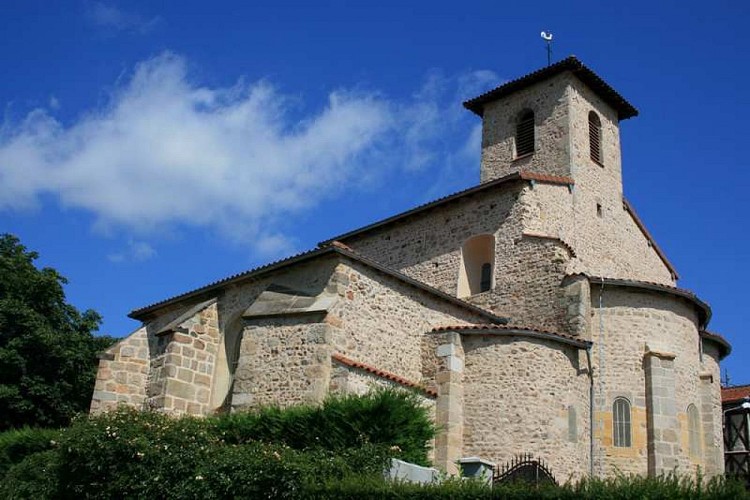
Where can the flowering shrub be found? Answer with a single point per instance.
(133, 454)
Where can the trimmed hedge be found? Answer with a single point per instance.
(619, 488)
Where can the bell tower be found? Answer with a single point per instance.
(559, 121)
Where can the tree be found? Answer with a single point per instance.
(47, 348)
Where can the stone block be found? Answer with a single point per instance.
(181, 389)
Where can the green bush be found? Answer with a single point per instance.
(130, 453)
(259, 470)
(337, 450)
(391, 418)
(135, 454)
(34, 477)
(17, 444)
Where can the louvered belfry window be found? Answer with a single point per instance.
(595, 137)
(525, 134)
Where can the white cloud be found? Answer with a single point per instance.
(165, 152)
(136, 251)
(110, 17)
(434, 119)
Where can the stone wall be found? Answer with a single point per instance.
(235, 372)
(283, 361)
(631, 323)
(376, 319)
(610, 245)
(351, 380)
(381, 321)
(518, 393)
(710, 408)
(123, 371)
(427, 247)
(183, 364)
(528, 269)
(527, 286)
(549, 101)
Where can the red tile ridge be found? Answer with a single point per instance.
(383, 374)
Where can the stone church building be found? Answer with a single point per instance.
(533, 313)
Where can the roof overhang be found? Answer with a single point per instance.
(529, 177)
(336, 249)
(572, 64)
(725, 348)
(703, 309)
(515, 331)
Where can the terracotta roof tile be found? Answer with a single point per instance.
(382, 374)
(736, 393)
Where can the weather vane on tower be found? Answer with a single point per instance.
(547, 37)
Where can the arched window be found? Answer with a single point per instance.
(693, 420)
(595, 137)
(477, 264)
(621, 423)
(525, 133)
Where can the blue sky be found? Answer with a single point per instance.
(147, 148)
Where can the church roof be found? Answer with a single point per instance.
(624, 109)
(334, 248)
(515, 330)
(724, 345)
(383, 374)
(704, 310)
(516, 176)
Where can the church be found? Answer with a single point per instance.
(532, 313)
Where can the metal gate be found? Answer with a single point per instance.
(524, 468)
